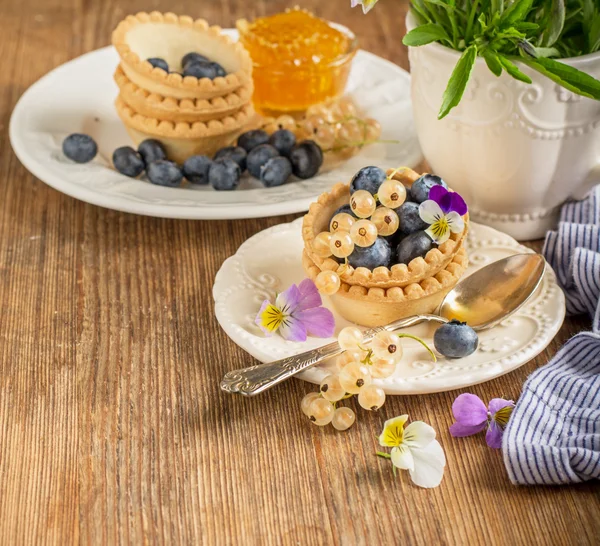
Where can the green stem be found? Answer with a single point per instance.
(422, 343)
(469, 32)
(382, 454)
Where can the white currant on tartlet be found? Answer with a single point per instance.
(322, 244)
(391, 193)
(363, 233)
(341, 244)
(342, 222)
(386, 221)
(328, 282)
(362, 203)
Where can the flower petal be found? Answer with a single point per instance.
(309, 295)
(459, 430)
(469, 410)
(501, 410)
(429, 465)
(493, 436)
(418, 434)
(288, 300)
(457, 204)
(318, 321)
(496, 404)
(455, 222)
(430, 212)
(393, 431)
(292, 329)
(402, 458)
(438, 194)
(268, 318)
(439, 231)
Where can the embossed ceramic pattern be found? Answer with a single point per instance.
(514, 151)
(78, 97)
(270, 261)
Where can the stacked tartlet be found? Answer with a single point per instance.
(375, 296)
(189, 115)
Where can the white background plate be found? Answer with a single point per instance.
(78, 97)
(270, 261)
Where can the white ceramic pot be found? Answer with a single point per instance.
(514, 151)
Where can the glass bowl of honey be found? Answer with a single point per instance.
(299, 60)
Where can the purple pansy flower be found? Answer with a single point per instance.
(296, 314)
(443, 211)
(472, 416)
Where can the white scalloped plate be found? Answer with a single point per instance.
(78, 97)
(270, 261)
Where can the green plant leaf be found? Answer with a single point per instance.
(425, 34)
(513, 69)
(458, 81)
(516, 12)
(491, 59)
(570, 78)
(547, 52)
(556, 23)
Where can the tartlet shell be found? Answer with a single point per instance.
(223, 50)
(399, 275)
(157, 106)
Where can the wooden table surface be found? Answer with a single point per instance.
(113, 429)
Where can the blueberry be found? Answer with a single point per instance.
(236, 153)
(80, 148)
(369, 179)
(224, 174)
(193, 57)
(164, 173)
(251, 139)
(306, 158)
(410, 221)
(419, 191)
(157, 62)
(220, 71)
(276, 171)
(200, 69)
(376, 255)
(151, 150)
(195, 169)
(412, 246)
(455, 339)
(128, 162)
(259, 157)
(283, 140)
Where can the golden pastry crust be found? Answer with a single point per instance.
(399, 275)
(170, 109)
(169, 36)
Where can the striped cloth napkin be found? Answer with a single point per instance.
(553, 436)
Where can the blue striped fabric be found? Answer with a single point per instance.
(553, 436)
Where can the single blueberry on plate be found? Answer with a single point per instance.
(164, 173)
(419, 191)
(224, 175)
(195, 169)
(157, 62)
(412, 246)
(220, 71)
(283, 140)
(306, 159)
(237, 153)
(193, 57)
(128, 162)
(151, 150)
(251, 139)
(377, 255)
(369, 179)
(275, 172)
(80, 148)
(200, 69)
(410, 220)
(258, 157)
(455, 339)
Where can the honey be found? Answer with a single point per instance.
(299, 60)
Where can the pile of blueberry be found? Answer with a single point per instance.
(381, 225)
(272, 159)
(193, 64)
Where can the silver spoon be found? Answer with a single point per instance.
(482, 300)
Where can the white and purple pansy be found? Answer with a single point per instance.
(443, 211)
(296, 314)
(366, 4)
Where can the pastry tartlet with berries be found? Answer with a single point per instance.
(157, 106)
(387, 246)
(139, 39)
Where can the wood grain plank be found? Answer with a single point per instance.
(113, 429)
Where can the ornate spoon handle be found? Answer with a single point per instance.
(259, 378)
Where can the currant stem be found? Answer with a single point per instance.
(422, 343)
